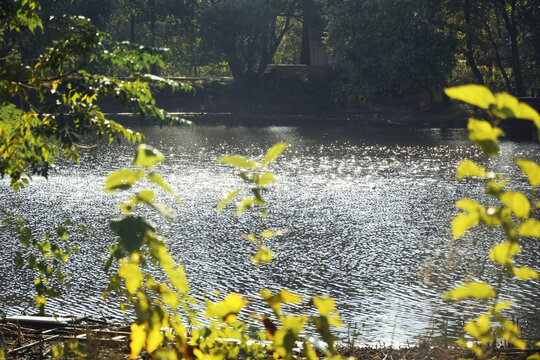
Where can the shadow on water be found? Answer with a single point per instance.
(368, 211)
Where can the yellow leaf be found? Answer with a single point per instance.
(165, 354)
(531, 169)
(500, 306)
(525, 273)
(263, 255)
(503, 253)
(131, 274)
(530, 228)
(154, 337)
(534, 357)
(480, 329)
(507, 106)
(138, 339)
(468, 168)
(472, 289)
(288, 297)
(266, 178)
(227, 199)
(517, 202)
(463, 222)
(476, 95)
(147, 157)
(268, 234)
(485, 136)
(227, 309)
(273, 153)
(238, 161)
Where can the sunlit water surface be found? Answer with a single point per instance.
(368, 213)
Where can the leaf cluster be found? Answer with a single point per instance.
(513, 213)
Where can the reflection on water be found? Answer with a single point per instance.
(368, 212)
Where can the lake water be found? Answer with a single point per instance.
(368, 212)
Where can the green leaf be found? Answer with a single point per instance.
(473, 289)
(530, 228)
(131, 231)
(123, 179)
(531, 169)
(485, 136)
(273, 153)
(266, 178)
(503, 253)
(507, 106)
(468, 168)
(147, 157)
(227, 200)
(476, 95)
(517, 203)
(158, 180)
(525, 273)
(238, 161)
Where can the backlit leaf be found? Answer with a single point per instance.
(507, 106)
(268, 234)
(480, 329)
(503, 253)
(525, 273)
(147, 157)
(227, 199)
(273, 153)
(530, 228)
(227, 309)
(484, 135)
(501, 305)
(131, 274)
(138, 339)
(463, 222)
(476, 95)
(468, 168)
(238, 161)
(473, 289)
(517, 203)
(154, 337)
(531, 169)
(266, 178)
(123, 179)
(263, 255)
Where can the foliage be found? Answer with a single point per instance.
(389, 47)
(247, 33)
(513, 213)
(168, 321)
(44, 257)
(52, 103)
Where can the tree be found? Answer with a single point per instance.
(388, 47)
(50, 102)
(247, 33)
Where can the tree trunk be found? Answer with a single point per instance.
(498, 60)
(154, 69)
(468, 43)
(511, 27)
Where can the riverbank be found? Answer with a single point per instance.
(218, 102)
(99, 339)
